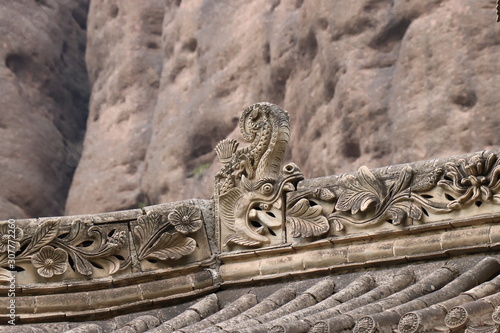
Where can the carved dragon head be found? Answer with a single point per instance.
(249, 188)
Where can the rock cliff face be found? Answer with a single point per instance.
(43, 95)
(372, 82)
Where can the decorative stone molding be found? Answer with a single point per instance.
(52, 249)
(250, 186)
(61, 250)
(266, 222)
(395, 197)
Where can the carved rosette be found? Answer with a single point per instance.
(496, 315)
(473, 181)
(457, 317)
(409, 323)
(250, 187)
(365, 325)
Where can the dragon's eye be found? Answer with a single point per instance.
(267, 188)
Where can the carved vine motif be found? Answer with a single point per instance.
(49, 248)
(249, 188)
(363, 199)
(391, 203)
(157, 241)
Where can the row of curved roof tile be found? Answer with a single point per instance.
(442, 301)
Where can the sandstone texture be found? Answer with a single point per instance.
(368, 82)
(43, 94)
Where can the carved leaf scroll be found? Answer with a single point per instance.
(49, 248)
(156, 242)
(390, 203)
(399, 195)
(361, 192)
(306, 221)
(43, 235)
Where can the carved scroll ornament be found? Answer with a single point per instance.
(249, 188)
(53, 249)
(158, 240)
(365, 200)
(50, 248)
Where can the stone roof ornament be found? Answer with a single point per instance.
(267, 222)
(249, 188)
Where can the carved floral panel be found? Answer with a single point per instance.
(392, 198)
(172, 238)
(53, 251)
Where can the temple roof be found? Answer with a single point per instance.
(458, 294)
(404, 248)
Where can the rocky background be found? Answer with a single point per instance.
(366, 82)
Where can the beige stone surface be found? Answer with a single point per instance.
(366, 82)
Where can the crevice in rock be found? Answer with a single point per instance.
(79, 14)
(390, 35)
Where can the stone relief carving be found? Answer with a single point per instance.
(367, 201)
(473, 180)
(249, 188)
(409, 323)
(52, 250)
(163, 241)
(457, 317)
(250, 185)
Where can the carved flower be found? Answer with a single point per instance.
(186, 219)
(473, 180)
(50, 261)
(6, 237)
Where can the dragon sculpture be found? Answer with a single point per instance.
(250, 187)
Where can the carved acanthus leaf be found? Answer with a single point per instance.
(306, 221)
(361, 192)
(147, 225)
(167, 241)
(365, 192)
(240, 240)
(171, 246)
(43, 235)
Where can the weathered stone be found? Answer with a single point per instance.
(124, 61)
(139, 324)
(44, 98)
(367, 83)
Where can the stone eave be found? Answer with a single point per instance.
(265, 224)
